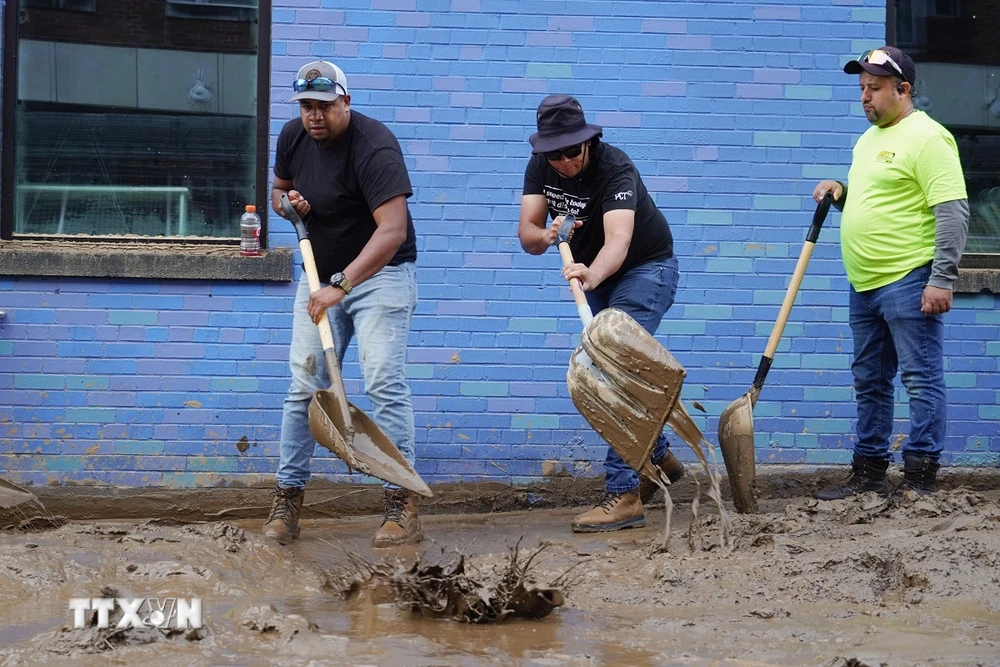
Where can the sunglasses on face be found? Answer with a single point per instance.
(320, 84)
(570, 153)
(880, 57)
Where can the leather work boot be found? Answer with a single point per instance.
(671, 467)
(283, 522)
(867, 474)
(401, 524)
(919, 476)
(615, 512)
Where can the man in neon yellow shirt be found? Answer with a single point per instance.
(902, 233)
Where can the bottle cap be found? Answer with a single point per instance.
(251, 208)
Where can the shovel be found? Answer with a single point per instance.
(334, 421)
(628, 387)
(620, 378)
(12, 495)
(736, 421)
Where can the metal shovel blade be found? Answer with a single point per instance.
(736, 443)
(625, 384)
(12, 495)
(370, 452)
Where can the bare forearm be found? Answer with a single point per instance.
(376, 254)
(532, 238)
(610, 258)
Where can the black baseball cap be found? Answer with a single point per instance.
(884, 61)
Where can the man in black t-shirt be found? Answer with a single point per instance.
(344, 175)
(624, 258)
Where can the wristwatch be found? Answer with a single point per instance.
(340, 280)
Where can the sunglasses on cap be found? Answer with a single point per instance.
(320, 84)
(570, 153)
(880, 57)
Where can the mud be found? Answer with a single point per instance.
(850, 582)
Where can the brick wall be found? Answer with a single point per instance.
(731, 110)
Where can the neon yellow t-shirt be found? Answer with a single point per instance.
(897, 174)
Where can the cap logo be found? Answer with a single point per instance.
(312, 74)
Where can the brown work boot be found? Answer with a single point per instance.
(401, 524)
(671, 467)
(615, 512)
(283, 522)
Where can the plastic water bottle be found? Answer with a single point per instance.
(250, 232)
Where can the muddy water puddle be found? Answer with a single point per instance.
(805, 583)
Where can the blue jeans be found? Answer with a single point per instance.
(891, 333)
(645, 292)
(379, 311)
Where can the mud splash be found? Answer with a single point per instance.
(453, 592)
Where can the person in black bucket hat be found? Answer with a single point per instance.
(624, 258)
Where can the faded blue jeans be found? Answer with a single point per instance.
(891, 333)
(379, 311)
(645, 292)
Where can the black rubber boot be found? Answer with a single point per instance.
(919, 476)
(867, 474)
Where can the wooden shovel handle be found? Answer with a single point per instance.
(793, 288)
(582, 306)
(309, 265)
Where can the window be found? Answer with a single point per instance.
(222, 10)
(129, 122)
(75, 5)
(954, 47)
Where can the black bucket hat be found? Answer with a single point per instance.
(561, 124)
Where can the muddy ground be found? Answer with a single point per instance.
(854, 582)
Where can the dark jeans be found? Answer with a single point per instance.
(891, 333)
(645, 292)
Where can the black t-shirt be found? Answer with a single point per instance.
(610, 182)
(343, 184)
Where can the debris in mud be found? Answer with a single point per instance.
(451, 592)
(227, 535)
(40, 522)
(267, 620)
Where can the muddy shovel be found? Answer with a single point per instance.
(736, 421)
(334, 421)
(12, 495)
(620, 378)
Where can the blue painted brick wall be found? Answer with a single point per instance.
(731, 110)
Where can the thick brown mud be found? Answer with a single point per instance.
(853, 582)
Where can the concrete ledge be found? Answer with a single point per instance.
(90, 259)
(977, 280)
(775, 483)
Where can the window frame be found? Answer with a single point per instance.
(978, 272)
(8, 146)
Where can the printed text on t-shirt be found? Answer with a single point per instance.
(564, 202)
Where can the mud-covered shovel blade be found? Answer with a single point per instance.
(12, 495)
(737, 445)
(370, 452)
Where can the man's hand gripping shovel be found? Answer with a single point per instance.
(736, 421)
(628, 386)
(334, 421)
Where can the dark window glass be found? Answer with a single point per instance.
(955, 48)
(133, 121)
